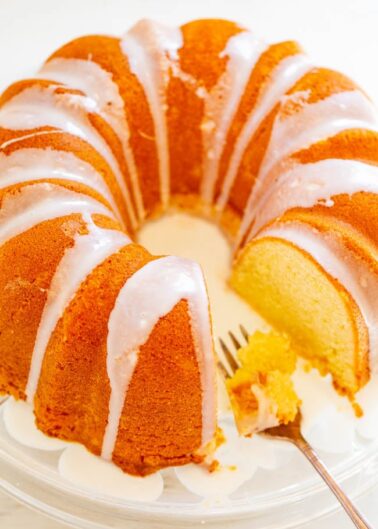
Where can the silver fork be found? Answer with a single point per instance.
(292, 433)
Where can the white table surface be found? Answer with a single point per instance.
(342, 34)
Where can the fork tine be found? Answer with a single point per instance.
(235, 341)
(223, 371)
(244, 332)
(229, 356)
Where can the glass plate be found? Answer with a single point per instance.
(294, 489)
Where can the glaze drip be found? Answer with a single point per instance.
(151, 293)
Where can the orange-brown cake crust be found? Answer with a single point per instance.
(201, 59)
(315, 86)
(351, 144)
(259, 79)
(250, 165)
(106, 52)
(27, 265)
(158, 427)
(348, 211)
(16, 88)
(63, 95)
(48, 138)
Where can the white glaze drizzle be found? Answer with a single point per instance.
(95, 82)
(284, 76)
(25, 165)
(243, 50)
(316, 121)
(341, 264)
(312, 123)
(89, 472)
(151, 48)
(41, 202)
(308, 184)
(37, 107)
(77, 263)
(148, 295)
(28, 136)
(19, 421)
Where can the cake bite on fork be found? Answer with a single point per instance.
(258, 380)
(257, 377)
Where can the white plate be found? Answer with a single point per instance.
(284, 497)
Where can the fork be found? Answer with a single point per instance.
(292, 433)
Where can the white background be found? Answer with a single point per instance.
(342, 34)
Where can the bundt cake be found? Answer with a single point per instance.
(112, 345)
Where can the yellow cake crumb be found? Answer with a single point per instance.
(279, 388)
(261, 391)
(267, 352)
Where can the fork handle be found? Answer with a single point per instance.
(320, 467)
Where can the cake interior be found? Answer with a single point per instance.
(292, 292)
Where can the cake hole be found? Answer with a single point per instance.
(194, 238)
